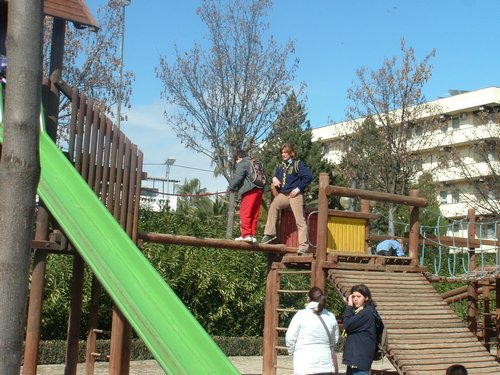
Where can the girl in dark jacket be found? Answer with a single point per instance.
(360, 323)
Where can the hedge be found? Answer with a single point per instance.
(53, 351)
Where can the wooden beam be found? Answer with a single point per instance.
(75, 315)
(460, 296)
(375, 196)
(271, 319)
(34, 321)
(353, 214)
(318, 274)
(454, 292)
(175, 239)
(414, 227)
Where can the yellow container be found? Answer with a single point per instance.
(346, 234)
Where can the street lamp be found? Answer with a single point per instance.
(168, 163)
(123, 3)
(345, 202)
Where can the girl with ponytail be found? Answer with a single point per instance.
(311, 337)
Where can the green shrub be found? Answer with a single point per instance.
(239, 346)
(53, 351)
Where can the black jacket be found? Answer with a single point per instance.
(361, 342)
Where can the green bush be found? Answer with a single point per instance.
(53, 351)
(223, 289)
(240, 346)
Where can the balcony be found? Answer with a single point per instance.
(475, 170)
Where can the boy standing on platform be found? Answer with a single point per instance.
(250, 194)
(291, 178)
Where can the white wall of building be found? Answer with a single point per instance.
(460, 128)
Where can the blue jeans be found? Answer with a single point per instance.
(356, 371)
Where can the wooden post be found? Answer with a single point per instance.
(92, 326)
(497, 303)
(497, 311)
(486, 317)
(318, 274)
(75, 315)
(365, 208)
(472, 236)
(34, 323)
(472, 295)
(119, 356)
(271, 318)
(414, 229)
(55, 69)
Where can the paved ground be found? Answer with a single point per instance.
(245, 365)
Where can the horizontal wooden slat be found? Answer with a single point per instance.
(424, 334)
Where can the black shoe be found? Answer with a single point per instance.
(268, 238)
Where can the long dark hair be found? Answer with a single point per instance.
(456, 370)
(316, 295)
(365, 292)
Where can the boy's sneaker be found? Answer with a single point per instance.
(254, 239)
(268, 238)
(246, 239)
(303, 249)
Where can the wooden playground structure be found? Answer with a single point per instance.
(425, 336)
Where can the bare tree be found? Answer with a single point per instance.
(226, 97)
(483, 174)
(19, 173)
(92, 60)
(391, 116)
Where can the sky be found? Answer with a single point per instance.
(333, 38)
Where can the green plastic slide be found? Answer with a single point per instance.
(172, 334)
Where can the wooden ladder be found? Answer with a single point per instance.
(285, 295)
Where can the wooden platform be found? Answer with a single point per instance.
(365, 262)
(424, 334)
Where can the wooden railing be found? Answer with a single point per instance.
(109, 162)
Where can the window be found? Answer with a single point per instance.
(443, 197)
(477, 157)
(494, 116)
(490, 231)
(492, 152)
(419, 131)
(455, 123)
(409, 131)
(455, 196)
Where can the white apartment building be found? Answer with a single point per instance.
(461, 127)
(157, 203)
(154, 199)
